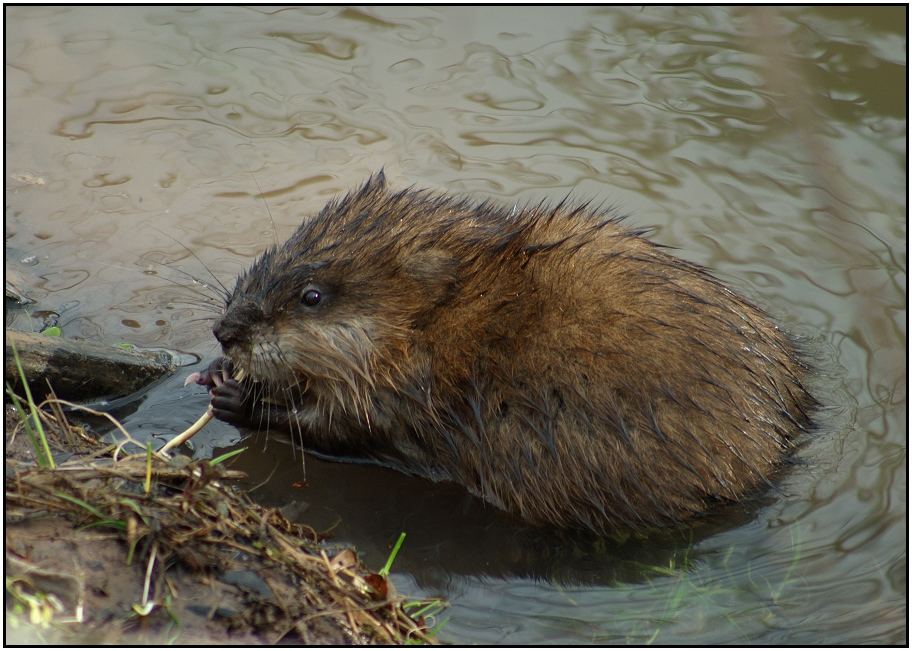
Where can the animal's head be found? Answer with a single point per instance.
(334, 308)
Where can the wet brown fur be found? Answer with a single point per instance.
(548, 358)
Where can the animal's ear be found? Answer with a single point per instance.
(435, 271)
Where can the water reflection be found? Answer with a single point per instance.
(452, 534)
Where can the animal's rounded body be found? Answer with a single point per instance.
(550, 359)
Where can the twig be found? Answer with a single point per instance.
(200, 423)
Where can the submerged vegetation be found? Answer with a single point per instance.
(675, 597)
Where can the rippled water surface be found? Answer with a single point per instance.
(769, 144)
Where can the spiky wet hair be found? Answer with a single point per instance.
(547, 357)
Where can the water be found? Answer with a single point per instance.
(767, 143)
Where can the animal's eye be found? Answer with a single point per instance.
(311, 296)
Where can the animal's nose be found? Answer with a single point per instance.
(234, 327)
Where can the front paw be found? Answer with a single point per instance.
(217, 373)
(231, 402)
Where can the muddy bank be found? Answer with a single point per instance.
(114, 547)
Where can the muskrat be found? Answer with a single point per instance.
(550, 359)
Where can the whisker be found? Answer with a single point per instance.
(265, 481)
(204, 306)
(198, 319)
(275, 231)
(226, 293)
(197, 283)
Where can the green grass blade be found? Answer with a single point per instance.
(389, 561)
(108, 522)
(48, 460)
(26, 423)
(147, 484)
(82, 503)
(126, 501)
(224, 457)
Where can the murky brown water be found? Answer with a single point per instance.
(769, 144)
